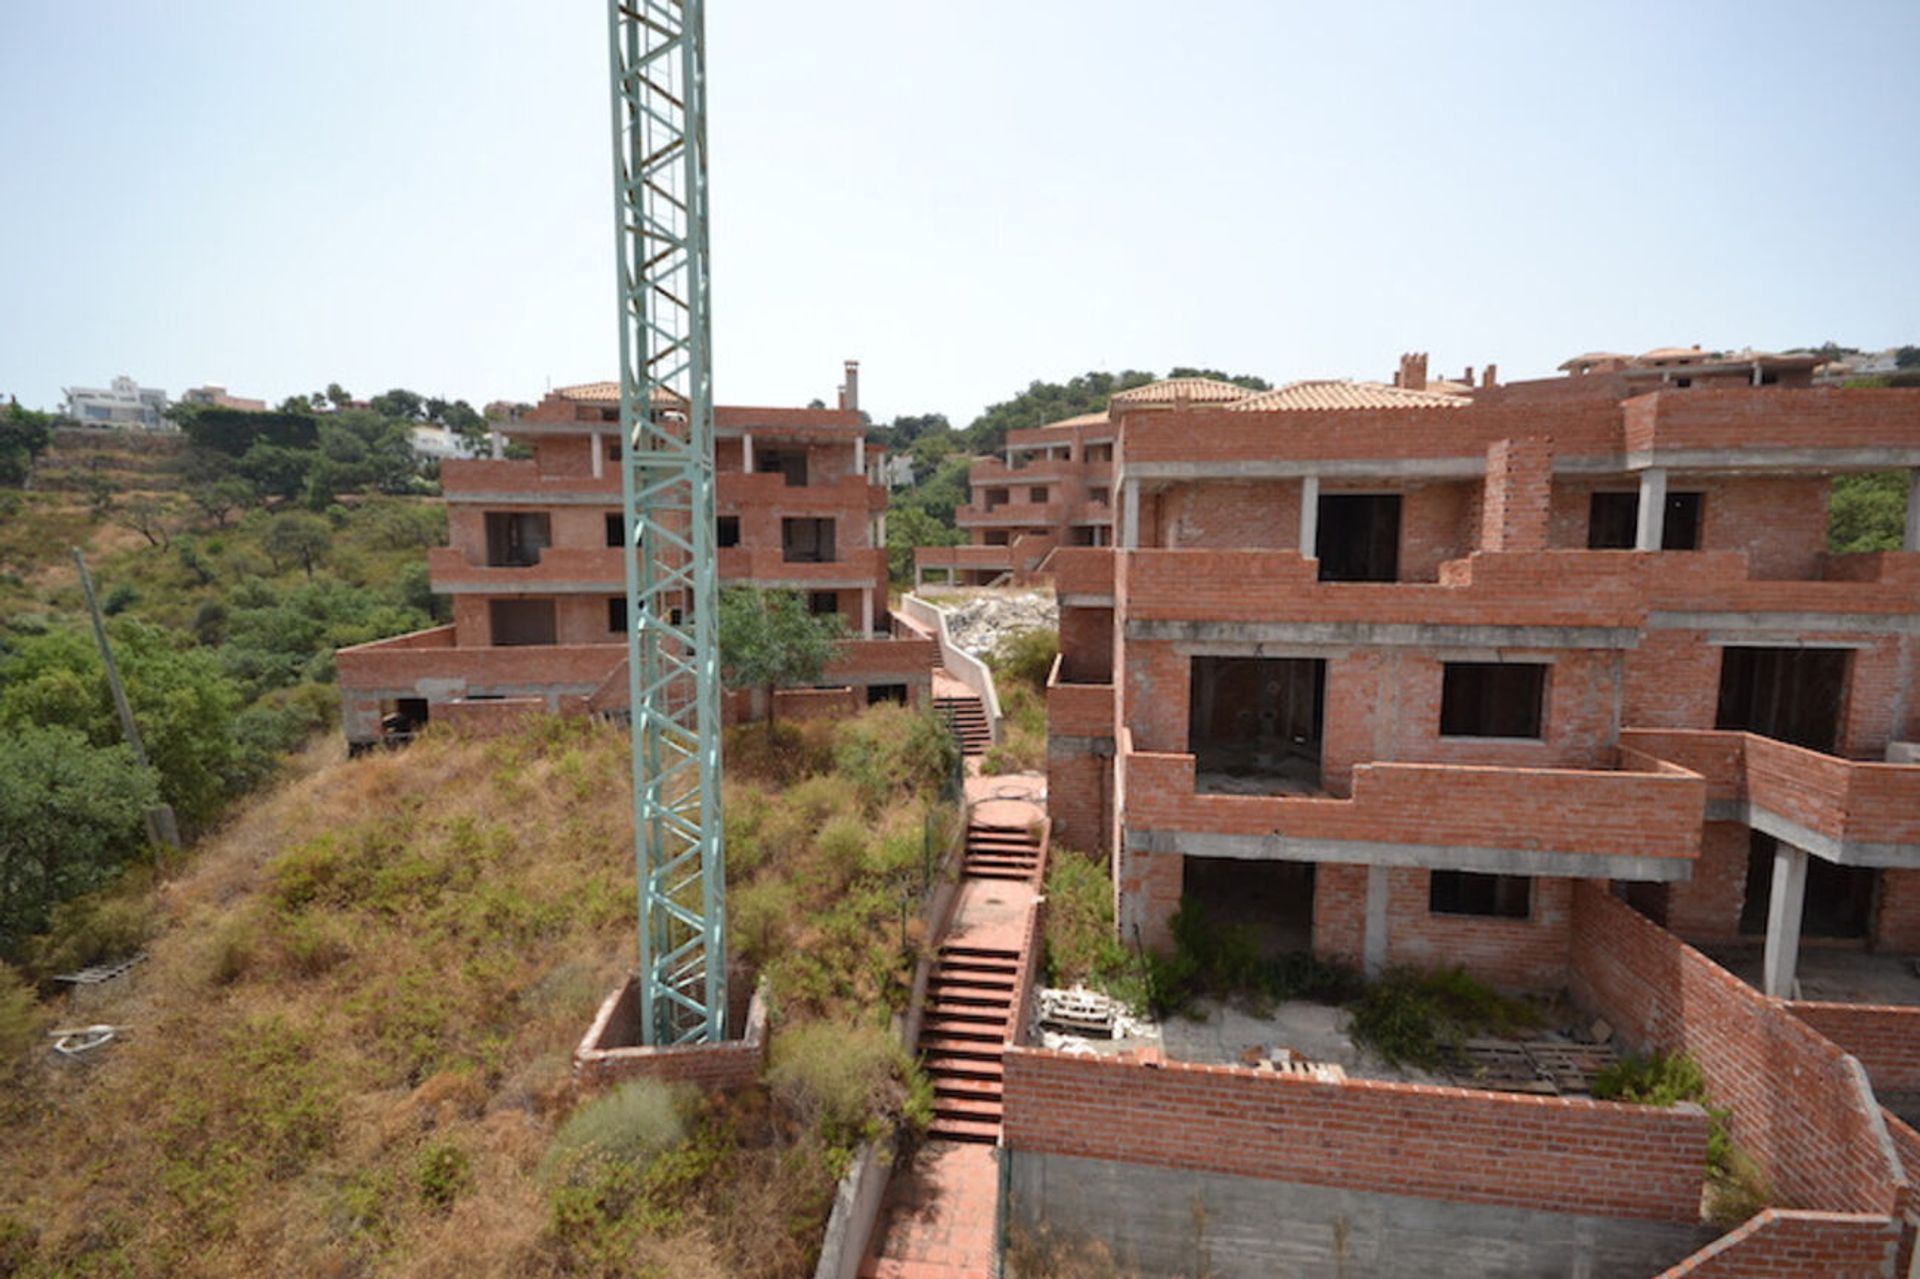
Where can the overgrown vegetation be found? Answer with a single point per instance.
(350, 1048)
(1420, 1018)
(1736, 1185)
(1020, 664)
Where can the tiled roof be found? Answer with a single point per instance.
(1084, 419)
(607, 393)
(1343, 393)
(1195, 390)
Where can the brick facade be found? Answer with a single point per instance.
(1780, 1243)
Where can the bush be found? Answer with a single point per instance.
(890, 751)
(1737, 1186)
(629, 1125)
(1080, 945)
(1224, 961)
(842, 1082)
(22, 1020)
(1026, 656)
(1419, 1018)
(443, 1174)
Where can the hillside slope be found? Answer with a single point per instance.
(350, 1046)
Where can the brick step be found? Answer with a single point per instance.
(1014, 876)
(952, 1014)
(988, 828)
(952, 1090)
(942, 1066)
(963, 951)
(985, 1134)
(962, 993)
(983, 981)
(1027, 861)
(1028, 852)
(967, 1108)
(943, 1028)
(935, 1044)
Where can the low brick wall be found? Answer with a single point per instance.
(1784, 1244)
(608, 1054)
(1545, 1153)
(1801, 1106)
(1884, 1038)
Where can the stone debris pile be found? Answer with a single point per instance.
(979, 622)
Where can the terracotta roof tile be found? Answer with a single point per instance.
(1343, 393)
(1195, 390)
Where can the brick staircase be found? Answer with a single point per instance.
(963, 1040)
(1001, 852)
(968, 720)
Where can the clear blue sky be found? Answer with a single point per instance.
(963, 196)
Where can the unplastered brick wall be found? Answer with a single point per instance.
(1545, 1153)
(1077, 784)
(1897, 921)
(1784, 1244)
(1230, 514)
(1884, 1038)
(1800, 1105)
(1706, 908)
(1512, 954)
(609, 1052)
(1519, 484)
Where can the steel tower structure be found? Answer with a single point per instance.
(666, 466)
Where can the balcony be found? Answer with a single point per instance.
(395, 667)
(1083, 573)
(768, 566)
(877, 661)
(996, 473)
(521, 483)
(560, 570)
(1876, 427)
(847, 495)
(1076, 709)
(1853, 812)
(987, 558)
(1638, 822)
(1025, 514)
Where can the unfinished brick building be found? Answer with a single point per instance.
(1386, 679)
(534, 568)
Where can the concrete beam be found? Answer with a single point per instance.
(1534, 862)
(1783, 630)
(1840, 852)
(1784, 906)
(1386, 634)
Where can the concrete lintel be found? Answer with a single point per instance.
(536, 501)
(457, 587)
(1386, 634)
(1774, 459)
(1787, 625)
(1537, 863)
(1085, 601)
(1235, 648)
(1406, 468)
(1070, 746)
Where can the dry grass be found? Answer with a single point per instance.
(351, 1044)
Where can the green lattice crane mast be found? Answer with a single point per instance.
(666, 471)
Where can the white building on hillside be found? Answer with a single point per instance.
(126, 403)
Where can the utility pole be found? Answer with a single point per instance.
(658, 80)
(161, 827)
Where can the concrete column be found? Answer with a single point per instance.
(1309, 515)
(498, 443)
(866, 611)
(859, 455)
(599, 459)
(1912, 542)
(1374, 947)
(746, 452)
(880, 530)
(1783, 920)
(1130, 515)
(919, 577)
(1653, 509)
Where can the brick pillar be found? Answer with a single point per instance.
(1519, 491)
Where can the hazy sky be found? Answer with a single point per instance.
(964, 197)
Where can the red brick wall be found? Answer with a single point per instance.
(1897, 923)
(1226, 514)
(1519, 484)
(1672, 681)
(1511, 954)
(1549, 1154)
(1077, 800)
(1086, 645)
(600, 1061)
(1781, 523)
(1884, 1038)
(1340, 912)
(1783, 1244)
(1798, 1106)
(1706, 908)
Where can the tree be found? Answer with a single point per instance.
(1907, 357)
(71, 815)
(182, 700)
(1248, 380)
(1867, 512)
(400, 403)
(297, 538)
(769, 639)
(221, 498)
(337, 395)
(1044, 402)
(24, 436)
(153, 518)
(911, 526)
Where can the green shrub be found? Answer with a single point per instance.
(629, 1125)
(1737, 1186)
(95, 929)
(889, 751)
(442, 1175)
(22, 1020)
(1080, 945)
(1658, 1079)
(1026, 656)
(1417, 1018)
(842, 1082)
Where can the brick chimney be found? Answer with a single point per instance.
(1467, 377)
(850, 389)
(1487, 381)
(1413, 371)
